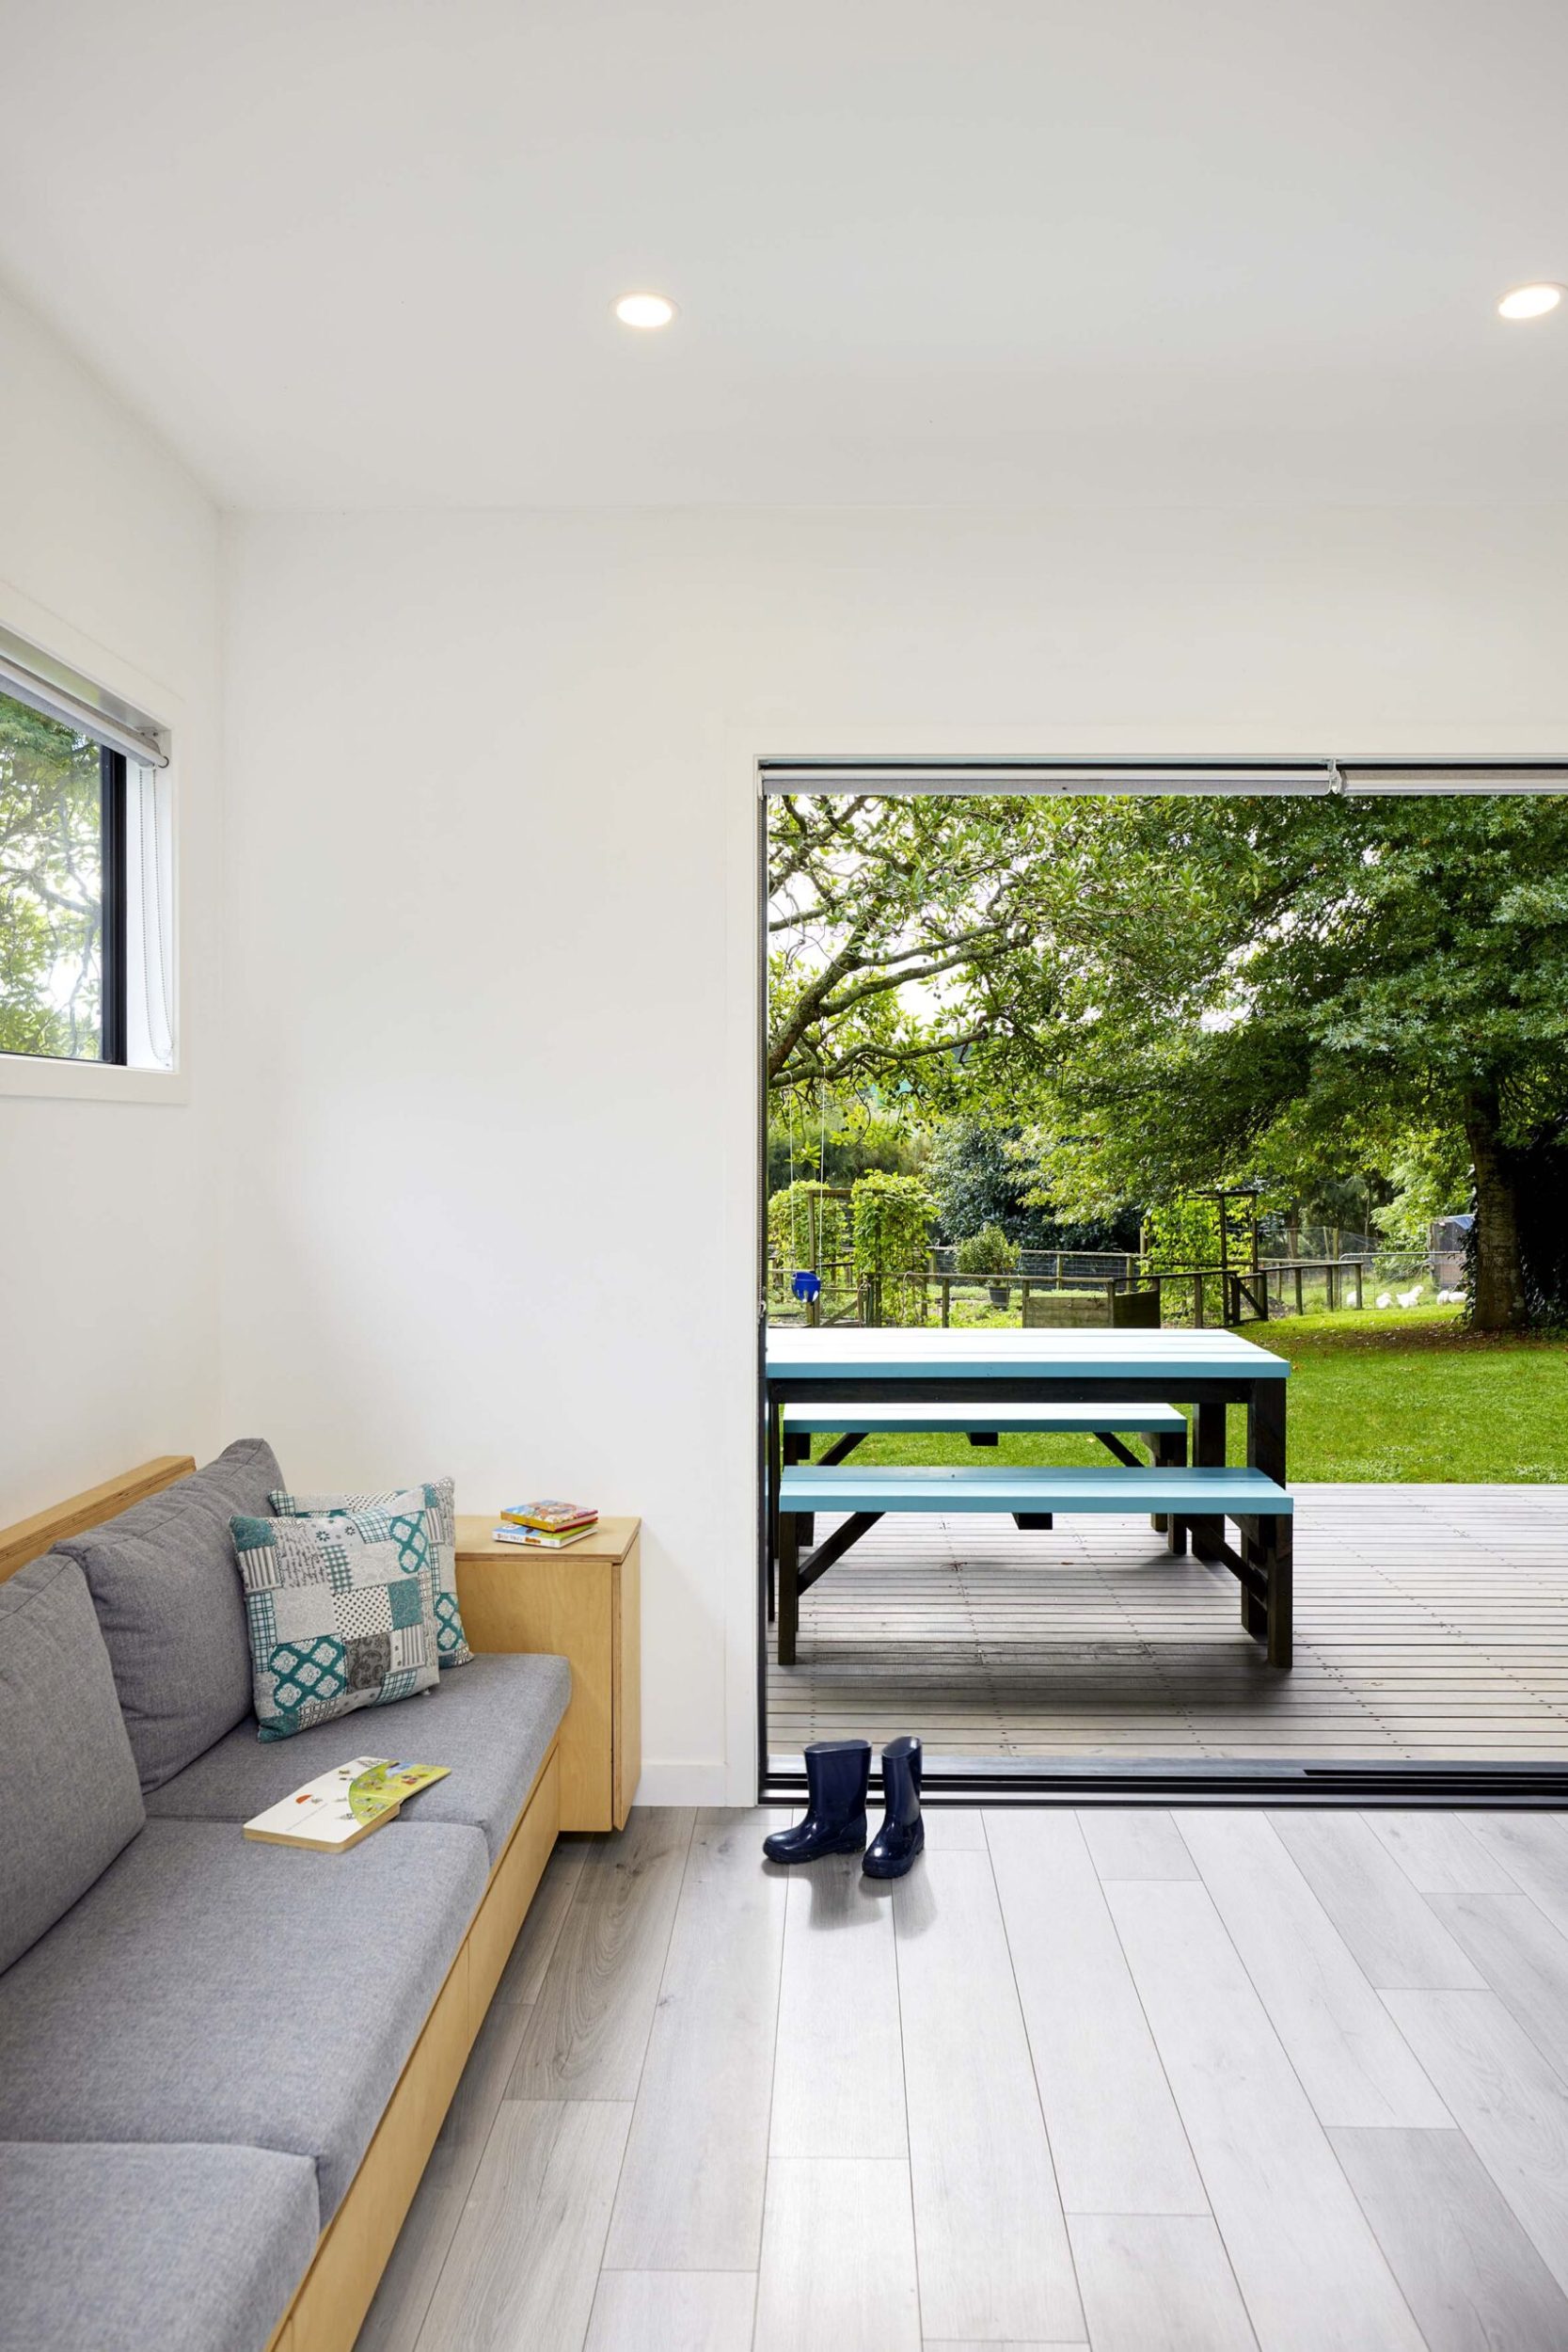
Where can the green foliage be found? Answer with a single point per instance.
(1430, 1175)
(807, 1228)
(979, 1176)
(925, 950)
(1343, 1000)
(976, 1180)
(1181, 1232)
(989, 1252)
(892, 1216)
(851, 1140)
(50, 905)
(891, 1220)
(1355, 972)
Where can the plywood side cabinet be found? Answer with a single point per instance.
(586, 1604)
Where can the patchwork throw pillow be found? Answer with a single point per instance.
(439, 1496)
(341, 1613)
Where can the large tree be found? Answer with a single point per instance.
(1358, 972)
(930, 945)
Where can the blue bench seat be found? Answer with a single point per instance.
(1200, 1500)
(965, 1486)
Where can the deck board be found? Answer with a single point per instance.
(1431, 1625)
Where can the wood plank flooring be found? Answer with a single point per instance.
(1432, 1622)
(1135, 2081)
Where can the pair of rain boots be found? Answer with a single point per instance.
(838, 1775)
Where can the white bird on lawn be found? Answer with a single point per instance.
(1408, 1298)
(1385, 1298)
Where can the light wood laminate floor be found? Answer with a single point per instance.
(1432, 1622)
(1140, 2081)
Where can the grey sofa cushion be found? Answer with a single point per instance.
(209, 1988)
(170, 1600)
(150, 2249)
(492, 1723)
(69, 1795)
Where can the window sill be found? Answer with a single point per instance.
(90, 1081)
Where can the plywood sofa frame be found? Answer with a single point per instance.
(331, 2300)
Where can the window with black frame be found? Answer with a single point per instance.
(62, 890)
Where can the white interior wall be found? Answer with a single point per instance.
(109, 559)
(491, 1164)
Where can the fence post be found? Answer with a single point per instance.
(1023, 1304)
(947, 1302)
(1361, 1274)
(1299, 1310)
(1197, 1298)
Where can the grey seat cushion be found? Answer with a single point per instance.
(209, 1988)
(150, 2249)
(492, 1723)
(69, 1795)
(170, 1603)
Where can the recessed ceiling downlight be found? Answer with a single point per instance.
(644, 309)
(1530, 302)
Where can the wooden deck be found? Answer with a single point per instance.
(1432, 1622)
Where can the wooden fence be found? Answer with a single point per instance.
(1194, 1297)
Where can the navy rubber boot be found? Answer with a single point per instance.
(838, 1773)
(903, 1833)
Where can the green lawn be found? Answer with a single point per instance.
(1385, 1395)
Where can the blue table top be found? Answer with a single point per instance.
(836, 1354)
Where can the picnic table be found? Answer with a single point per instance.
(985, 1372)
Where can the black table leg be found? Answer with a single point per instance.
(1209, 1453)
(1255, 1554)
(789, 1585)
(1281, 1592)
(1265, 1429)
(1170, 1453)
(1266, 1451)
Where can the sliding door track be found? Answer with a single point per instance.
(1039, 1780)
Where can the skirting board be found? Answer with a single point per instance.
(329, 2305)
(701, 1784)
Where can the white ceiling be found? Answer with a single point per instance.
(363, 252)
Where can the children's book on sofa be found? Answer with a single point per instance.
(336, 1810)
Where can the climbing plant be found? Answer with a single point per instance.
(1181, 1232)
(807, 1228)
(892, 1217)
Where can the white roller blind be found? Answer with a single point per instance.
(1045, 775)
(952, 776)
(1393, 779)
(56, 693)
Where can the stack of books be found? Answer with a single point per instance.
(548, 1525)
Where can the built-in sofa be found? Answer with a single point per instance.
(223, 2065)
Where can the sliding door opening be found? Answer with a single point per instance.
(1164, 1257)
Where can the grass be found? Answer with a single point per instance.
(1385, 1395)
